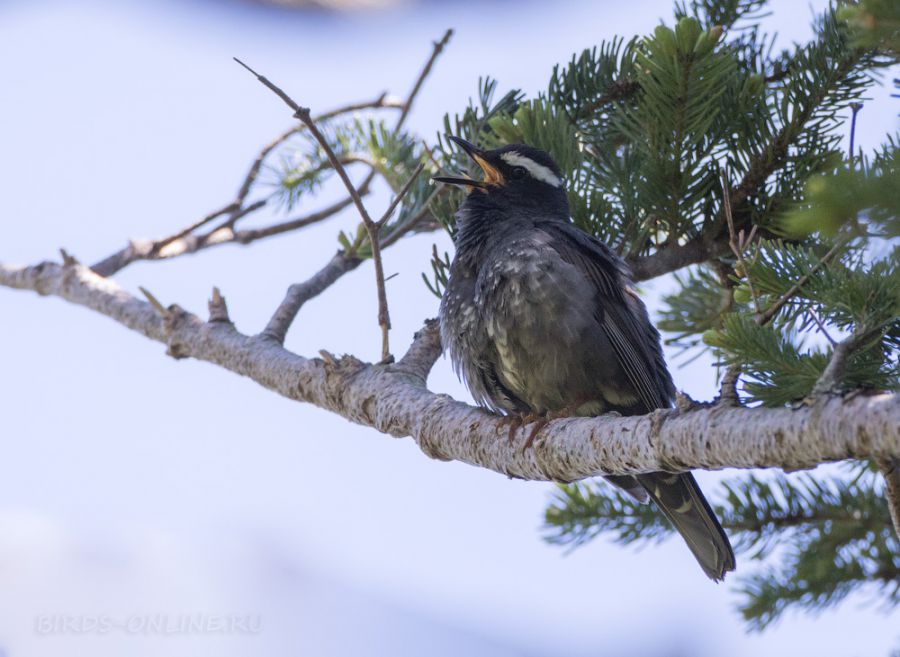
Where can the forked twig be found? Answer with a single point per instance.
(372, 227)
(298, 294)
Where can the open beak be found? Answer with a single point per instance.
(492, 175)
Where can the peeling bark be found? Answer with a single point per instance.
(393, 399)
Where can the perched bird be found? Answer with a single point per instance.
(540, 318)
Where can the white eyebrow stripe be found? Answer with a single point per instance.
(538, 171)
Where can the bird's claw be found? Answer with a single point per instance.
(541, 421)
(518, 421)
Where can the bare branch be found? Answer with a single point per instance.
(248, 235)
(437, 49)
(831, 377)
(384, 318)
(390, 400)
(180, 243)
(399, 196)
(383, 101)
(136, 250)
(273, 87)
(232, 209)
(399, 231)
(223, 234)
(728, 390)
(374, 230)
(299, 293)
(423, 352)
(675, 257)
(372, 227)
(890, 470)
(185, 241)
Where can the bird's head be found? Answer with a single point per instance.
(516, 174)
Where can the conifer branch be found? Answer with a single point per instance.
(764, 317)
(341, 263)
(185, 241)
(619, 90)
(383, 101)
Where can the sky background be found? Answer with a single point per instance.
(135, 486)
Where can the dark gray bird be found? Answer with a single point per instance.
(541, 318)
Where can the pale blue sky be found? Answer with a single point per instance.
(132, 483)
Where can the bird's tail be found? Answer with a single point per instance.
(682, 502)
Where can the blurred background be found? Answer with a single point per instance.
(155, 507)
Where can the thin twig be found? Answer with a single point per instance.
(728, 391)
(437, 165)
(400, 194)
(854, 107)
(438, 47)
(424, 211)
(287, 310)
(248, 235)
(303, 114)
(150, 250)
(763, 318)
(821, 325)
(272, 87)
(383, 101)
(183, 242)
(230, 208)
(736, 242)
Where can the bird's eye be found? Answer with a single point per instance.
(518, 173)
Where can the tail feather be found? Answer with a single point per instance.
(679, 497)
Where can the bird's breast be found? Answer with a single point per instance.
(537, 317)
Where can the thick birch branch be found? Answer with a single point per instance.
(394, 399)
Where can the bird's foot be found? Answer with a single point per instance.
(518, 420)
(541, 421)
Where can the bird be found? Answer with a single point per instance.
(540, 318)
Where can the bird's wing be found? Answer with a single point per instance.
(619, 312)
(635, 341)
